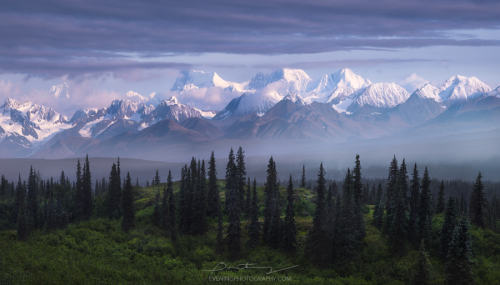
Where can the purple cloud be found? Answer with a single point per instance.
(50, 38)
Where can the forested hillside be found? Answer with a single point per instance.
(218, 224)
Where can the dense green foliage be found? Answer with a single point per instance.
(353, 235)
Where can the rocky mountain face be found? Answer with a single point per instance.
(283, 104)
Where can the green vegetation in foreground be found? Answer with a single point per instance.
(99, 252)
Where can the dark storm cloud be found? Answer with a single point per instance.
(61, 37)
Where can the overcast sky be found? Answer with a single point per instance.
(103, 50)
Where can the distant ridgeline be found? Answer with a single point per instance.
(322, 223)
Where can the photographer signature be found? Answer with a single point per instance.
(221, 266)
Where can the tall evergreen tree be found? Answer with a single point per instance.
(79, 199)
(477, 203)
(128, 205)
(450, 221)
(254, 226)
(213, 191)
(357, 186)
(318, 242)
(87, 190)
(359, 221)
(425, 209)
(458, 262)
(32, 200)
(22, 229)
(156, 180)
(113, 197)
(270, 191)
(390, 195)
(231, 178)
(289, 228)
(303, 178)
(185, 201)
(199, 225)
(241, 176)
(233, 203)
(440, 199)
(422, 268)
(398, 229)
(414, 202)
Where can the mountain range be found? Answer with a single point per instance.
(282, 105)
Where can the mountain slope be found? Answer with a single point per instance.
(459, 88)
(378, 96)
(336, 87)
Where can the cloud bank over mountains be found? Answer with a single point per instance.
(54, 38)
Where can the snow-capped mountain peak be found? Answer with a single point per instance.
(32, 121)
(381, 95)
(336, 86)
(459, 87)
(428, 91)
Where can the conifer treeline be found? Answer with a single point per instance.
(406, 221)
(403, 209)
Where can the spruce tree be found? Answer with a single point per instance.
(231, 178)
(422, 268)
(269, 232)
(390, 196)
(398, 229)
(477, 203)
(318, 242)
(289, 229)
(414, 202)
(233, 203)
(241, 176)
(113, 197)
(199, 225)
(128, 205)
(359, 221)
(213, 191)
(450, 221)
(458, 261)
(32, 201)
(254, 226)
(79, 199)
(440, 200)
(156, 180)
(425, 209)
(22, 229)
(356, 174)
(86, 190)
